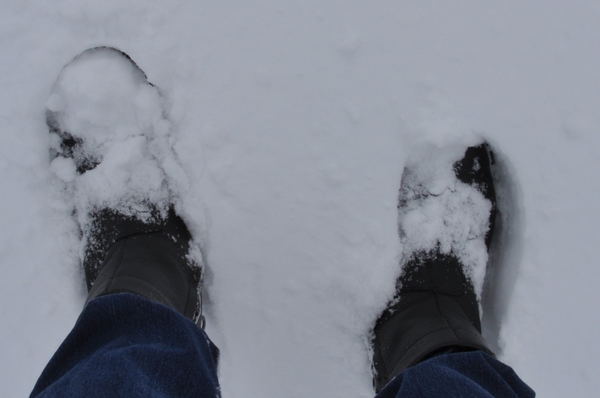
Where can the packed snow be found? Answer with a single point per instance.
(288, 128)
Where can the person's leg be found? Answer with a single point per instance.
(462, 374)
(138, 334)
(428, 341)
(124, 345)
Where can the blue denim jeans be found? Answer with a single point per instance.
(125, 345)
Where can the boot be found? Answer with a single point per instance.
(125, 255)
(109, 141)
(436, 308)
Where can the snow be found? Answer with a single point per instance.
(292, 123)
(103, 101)
(439, 212)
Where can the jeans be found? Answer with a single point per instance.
(125, 345)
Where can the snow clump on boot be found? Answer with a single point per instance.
(111, 139)
(440, 213)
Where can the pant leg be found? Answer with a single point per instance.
(126, 346)
(464, 374)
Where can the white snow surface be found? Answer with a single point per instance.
(291, 124)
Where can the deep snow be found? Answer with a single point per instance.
(293, 122)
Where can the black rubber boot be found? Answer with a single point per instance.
(134, 245)
(148, 259)
(435, 308)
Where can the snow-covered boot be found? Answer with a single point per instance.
(447, 208)
(111, 145)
